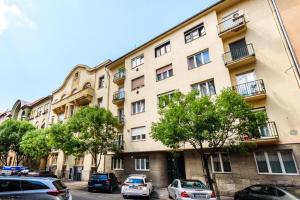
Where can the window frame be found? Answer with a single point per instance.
(169, 75)
(136, 88)
(202, 59)
(134, 104)
(207, 87)
(140, 135)
(141, 56)
(100, 85)
(120, 163)
(160, 47)
(221, 163)
(280, 161)
(191, 30)
(169, 94)
(140, 160)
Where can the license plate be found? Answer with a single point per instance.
(98, 185)
(133, 187)
(200, 196)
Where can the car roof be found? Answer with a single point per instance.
(28, 178)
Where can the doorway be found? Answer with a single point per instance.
(175, 166)
(238, 49)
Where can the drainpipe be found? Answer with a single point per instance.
(290, 49)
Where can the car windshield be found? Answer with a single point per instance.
(59, 185)
(99, 177)
(294, 191)
(193, 184)
(134, 180)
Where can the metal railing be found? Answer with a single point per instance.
(238, 53)
(121, 118)
(119, 144)
(119, 75)
(230, 24)
(251, 88)
(119, 95)
(269, 130)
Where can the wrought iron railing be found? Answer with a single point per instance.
(238, 53)
(251, 88)
(119, 95)
(268, 130)
(231, 24)
(119, 75)
(121, 119)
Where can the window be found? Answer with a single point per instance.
(101, 82)
(60, 118)
(198, 59)
(137, 83)
(33, 185)
(9, 185)
(39, 111)
(163, 49)
(194, 33)
(137, 61)
(276, 162)
(76, 75)
(164, 98)
(46, 107)
(142, 164)
(164, 72)
(87, 85)
(138, 107)
(100, 102)
(206, 88)
(220, 162)
(117, 163)
(138, 133)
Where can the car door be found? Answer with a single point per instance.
(173, 188)
(10, 189)
(33, 189)
(262, 192)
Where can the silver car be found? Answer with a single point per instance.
(190, 190)
(28, 188)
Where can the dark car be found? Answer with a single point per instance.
(269, 192)
(103, 181)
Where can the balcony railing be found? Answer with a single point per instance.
(252, 88)
(119, 96)
(119, 77)
(119, 144)
(121, 119)
(232, 24)
(267, 132)
(238, 54)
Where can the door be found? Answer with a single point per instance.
(71, 173)
(175, 166)
(10, 189)
(247, 85)
(238, 49)
(121, 93)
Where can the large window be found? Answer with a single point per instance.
(101, 82)
(275, 162)
(137, 83)
(220, 163)
(206, 88)
(194, 33)
(138, 107)
(164, 72)
(164, 98)
(163, 49)
(142, 164)
(198, 59)
(138, 133)
(117, 163)
(137, 61)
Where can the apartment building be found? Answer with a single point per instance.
(230, 44)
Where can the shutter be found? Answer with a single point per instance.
(138, 131)
(163, 69)
(137, 83)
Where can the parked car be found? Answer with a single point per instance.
(269, 192)
(137, 185)
(11, 170)
(28, 188)
(103, 181)
(185, 189)
(41, 174)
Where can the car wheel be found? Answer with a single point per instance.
(89, 190)
(125, 197)
(170, 196)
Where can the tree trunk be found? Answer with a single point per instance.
(216, 186)
(207, 171)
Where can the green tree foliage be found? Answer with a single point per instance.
(94, 130)
(11, 133)
(220, 122)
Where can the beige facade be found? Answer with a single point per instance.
(234, 43)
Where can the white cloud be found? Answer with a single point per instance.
(6, 11)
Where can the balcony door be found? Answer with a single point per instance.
(264, 130)
(121, 93)
(238, 49)
(247, 84)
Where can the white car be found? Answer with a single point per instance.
(137, 185)
(190, 190)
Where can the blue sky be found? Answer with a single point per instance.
(42, 40)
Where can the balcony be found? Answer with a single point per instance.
(254, 90)
(239, 56)
(268, 134)
(119, 77)
(119, 144)
(119, 97)
(232, 27)
(82, 97)
(121, 119)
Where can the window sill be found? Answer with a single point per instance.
(133, 114)
(118, 169)
(222, 172)
(137, 66)
(199, 66)
(279, 174)
(138, 140)
(143, 170)
(164, 78)
(137, 88)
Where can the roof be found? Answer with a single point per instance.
(40, 100)
(166, 32)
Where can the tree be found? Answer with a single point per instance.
(219, 123)
(36, 145)
(12, 131)
(94, 130)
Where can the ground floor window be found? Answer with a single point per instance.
(117, 163)
(220, 163)
(275, 162)
(142, 164)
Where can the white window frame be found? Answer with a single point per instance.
(119, 162)
(193, 30)
(138, 108)
(280, 161)
(161, 75)
(140, 160)
(169, 94)
(221, 163)
(140, 135)
(207, 87)
(135, 60)
(202, 59)
(163, 49)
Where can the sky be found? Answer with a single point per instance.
(42, 40)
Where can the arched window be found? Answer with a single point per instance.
(76, 75)
(23, 115)
(87, 85)
(74, 91)
(63, 96)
